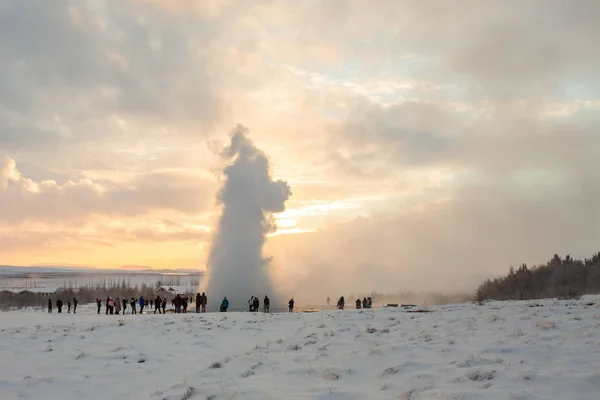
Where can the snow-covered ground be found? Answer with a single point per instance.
(511, 350)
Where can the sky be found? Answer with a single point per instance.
(428, 145)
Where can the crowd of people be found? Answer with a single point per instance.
(180, 304)
(366, 302)
(60, 304)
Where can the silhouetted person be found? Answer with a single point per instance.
(341, 303)
(142, 304)
(204, 301)
(107, 305)
(164, 305)
(68, 306)
(328, 301)
(358, 304)
(256, 304)
(124, 305)
(184, 304)
(369, 302)
(364, 302)
(117, 305)
(291, 305)
(133, 305)
(251, 304)
(59, 305)
(198, 302)
(99, 304)
(157, 303)
(49, 306)
(266, 303)
(75, 302)
(224, 305)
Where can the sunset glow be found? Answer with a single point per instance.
(411, 147)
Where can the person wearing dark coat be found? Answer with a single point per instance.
(184, 304)
(59, 305)
(157, 303)
(364, 302)
(198, 302)
(341, 303)
(75, 302)
(99, 304)
(204, 301)
(124, 305)
(256, 304)
(266, 303)
(68, 306)
(49, 306)
(164, 305)
(133, 305)
(177, 302)
(291, 305)
(107, 305)
(358, 304)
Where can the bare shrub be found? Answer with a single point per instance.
(216, 365)
(479, 375)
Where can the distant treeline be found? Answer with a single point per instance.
(559, 277)
(111, 283)
(85, 294)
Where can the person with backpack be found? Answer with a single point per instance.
(111, 306)
(224, 305)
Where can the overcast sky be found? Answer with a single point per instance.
(427, 144)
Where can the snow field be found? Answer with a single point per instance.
(512, 350)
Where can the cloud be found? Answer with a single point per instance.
(77, 65)
(437, 142)
(26, 199)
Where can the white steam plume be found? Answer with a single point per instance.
(249, 196)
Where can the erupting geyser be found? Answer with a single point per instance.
(249, 197)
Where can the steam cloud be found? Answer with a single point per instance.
(249, 196)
